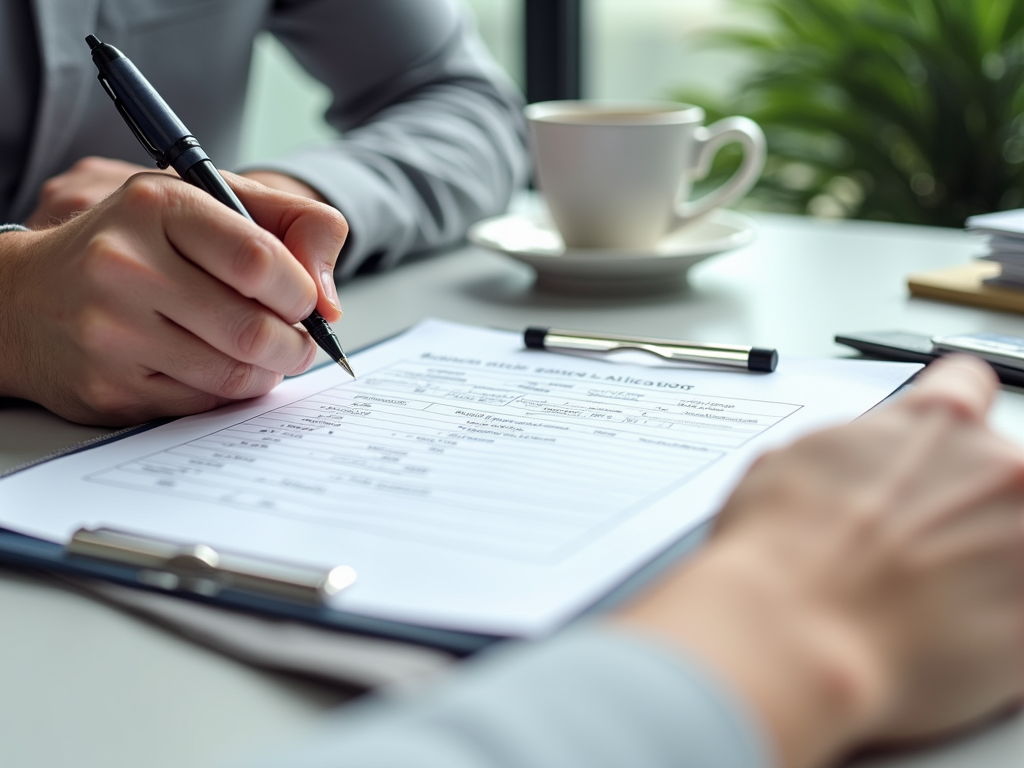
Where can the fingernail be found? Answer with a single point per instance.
(330, 291)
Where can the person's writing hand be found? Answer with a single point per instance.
(160, 301)
(867, 583)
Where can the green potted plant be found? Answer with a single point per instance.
(899, 110)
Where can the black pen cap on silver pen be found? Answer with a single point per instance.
(756, 359)
(762, 359)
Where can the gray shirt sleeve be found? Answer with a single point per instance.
(433, 133)
(591, 698)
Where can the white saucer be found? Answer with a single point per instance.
(532, 239)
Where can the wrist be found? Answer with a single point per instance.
(816, 685)
(13, 242)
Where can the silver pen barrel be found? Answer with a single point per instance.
(728, 355)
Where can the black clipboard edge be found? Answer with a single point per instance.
(84, 445)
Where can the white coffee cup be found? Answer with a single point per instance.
(619, 174)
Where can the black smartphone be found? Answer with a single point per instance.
(910, 347)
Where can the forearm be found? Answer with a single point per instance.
(417, 178)
(433, 136)
(593, 698)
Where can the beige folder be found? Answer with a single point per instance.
(964, 284)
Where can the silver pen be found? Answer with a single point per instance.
(729, 355)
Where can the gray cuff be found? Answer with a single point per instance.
(12, 228)
(591, 698)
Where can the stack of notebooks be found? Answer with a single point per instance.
(1005, 232)
(995, 280)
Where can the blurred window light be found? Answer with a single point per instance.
(652, 49)
(284, 105)
(500, 23)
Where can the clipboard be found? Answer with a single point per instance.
(171, 568)
(30, 553)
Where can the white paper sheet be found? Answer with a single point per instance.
(471, 483)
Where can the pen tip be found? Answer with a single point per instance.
(93, 42)
(343, 362)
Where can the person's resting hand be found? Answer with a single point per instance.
(159, 301)
(866, 584)
(92, 179)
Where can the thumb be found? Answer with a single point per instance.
(962, 383)
(312, 231)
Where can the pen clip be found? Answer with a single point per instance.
(156, 154)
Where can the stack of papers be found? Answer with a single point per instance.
(1005, 231)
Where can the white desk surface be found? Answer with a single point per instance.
(83, 684)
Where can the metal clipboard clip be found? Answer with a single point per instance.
(202, 570)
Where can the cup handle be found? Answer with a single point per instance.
(707, 141)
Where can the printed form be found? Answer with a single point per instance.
(472, 484)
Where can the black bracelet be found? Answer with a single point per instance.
(12, 228)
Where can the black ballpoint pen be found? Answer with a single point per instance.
(169, 143)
